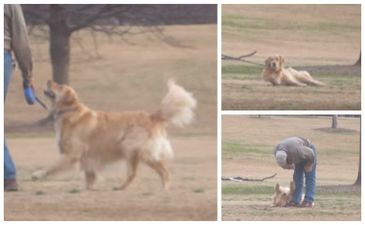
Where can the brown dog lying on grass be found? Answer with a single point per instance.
(275, 73)
(94, 139)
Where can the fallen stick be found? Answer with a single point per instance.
(226, 57)
(240, 179)
(241, 58)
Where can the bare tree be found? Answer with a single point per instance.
(334, 121)
(358, 62)
(358, 179)
(64, 20)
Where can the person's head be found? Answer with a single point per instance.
(281, 158)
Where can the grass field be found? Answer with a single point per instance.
(247, 145)
(121, 74)
(320, 39)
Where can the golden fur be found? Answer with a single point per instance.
(283, 195)
(275, 73)
(94, 139)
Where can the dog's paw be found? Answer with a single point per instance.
(39, 174)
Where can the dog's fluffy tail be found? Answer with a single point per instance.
(177, 106)
(317, 83)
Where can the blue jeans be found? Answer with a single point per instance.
(310, 180)
(9, 167)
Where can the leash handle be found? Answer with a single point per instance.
(29, 95)
(31, 98)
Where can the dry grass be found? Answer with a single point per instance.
(121, 76)
(319, 35)
(248, 143)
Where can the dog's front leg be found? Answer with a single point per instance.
(63, 164)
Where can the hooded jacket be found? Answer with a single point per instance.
(297, 150)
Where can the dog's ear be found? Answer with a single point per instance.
(68, 98)
(281, 60)
(277, 188)
(267, 62)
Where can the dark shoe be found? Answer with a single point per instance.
(291, 204)
(10, 185)
(306, 204)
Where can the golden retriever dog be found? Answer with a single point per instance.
(275, 73)
(283, 195)
(93, 139)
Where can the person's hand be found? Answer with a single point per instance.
(29, 91)
(308, 167)
(29, 83)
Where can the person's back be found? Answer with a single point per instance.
(297, 149)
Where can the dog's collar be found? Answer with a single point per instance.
(59, 113)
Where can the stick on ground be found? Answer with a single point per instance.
(240, 179)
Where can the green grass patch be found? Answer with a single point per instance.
(244, 23)
(147, 194)
(199, 190)
(237, 148)
(326, 152)
(244, 189)
(241, 72)
(74, 191)
(40, 193)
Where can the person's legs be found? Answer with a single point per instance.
(9, 167)
(298, 181)
(310, 181)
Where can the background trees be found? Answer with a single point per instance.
(62, 21)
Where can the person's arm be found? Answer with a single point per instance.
(308, 155)
(20, 44)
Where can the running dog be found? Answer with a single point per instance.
(93, 139)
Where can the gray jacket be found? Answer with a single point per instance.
(16, 38)
(297, 149)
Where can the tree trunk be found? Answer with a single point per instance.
(358, 179)
(59, 44)
(358, 62)
(334, 122)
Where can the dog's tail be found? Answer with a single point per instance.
(177, 106)
(317, 83)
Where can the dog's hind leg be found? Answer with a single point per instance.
(132, 164)
(160, 168)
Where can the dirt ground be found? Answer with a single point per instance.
(319, 36)
(248, 142)
(191, 197)
(116, 75)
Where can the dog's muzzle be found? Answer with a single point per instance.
(49, 94)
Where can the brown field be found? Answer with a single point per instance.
(121, 75)
(248, 143)
(323, 39)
